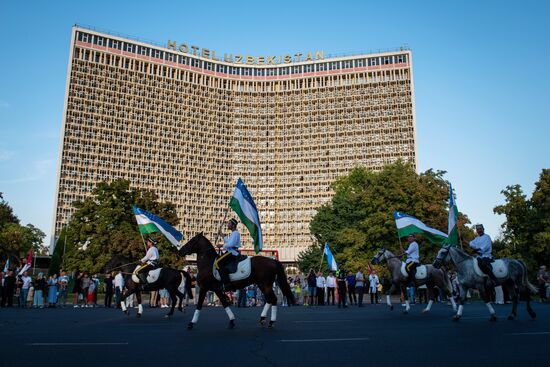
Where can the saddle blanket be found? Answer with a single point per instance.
(499, 269)
(421, 271)
(152, 275)
(243, 271)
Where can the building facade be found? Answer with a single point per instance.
(186, 124)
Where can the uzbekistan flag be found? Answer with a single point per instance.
(244, 206)
(150, 223)
(332, 266)
(407, 225)
(453, 220)
(28, 264)
(7, 266)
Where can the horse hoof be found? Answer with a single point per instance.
(511, 317)
(533, 314)
(166, 316)
(127, 313)
(190, 326)
(271, 324)
(262, 321)
(391, 308)
(424, 311)
(493, 318)
(138, 315)
(231, 324)
(405, 312)
(456, 318)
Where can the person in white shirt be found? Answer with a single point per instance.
(25, 286)
(148, 262)
(231, 245)
(331, 286)
(321, 284)
(484, 246)
(413, 258)
(119, 285)
(373, 287)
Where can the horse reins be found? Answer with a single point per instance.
(123, 265)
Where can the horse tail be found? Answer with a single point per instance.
(283, 284)
(526, 282)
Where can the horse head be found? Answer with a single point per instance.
(380, 255)
(195, 245)
(441, 256)
(116, 262)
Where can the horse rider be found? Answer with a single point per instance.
(484, 246)
(413, 258)
(148, 262)
(231, 245)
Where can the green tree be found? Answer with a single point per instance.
(104, 225)
(526, 231)
(359, 218)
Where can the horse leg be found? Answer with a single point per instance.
(514, 294)
(140, 307)
(174, 300)
(461, 297)
(267, 306)
(527, 295)
(123, 297)
(407, 303)
(431, 300)
(487, 299)
(225, 303)
(388, 296)
(270, 301)
(180, 297)
(202, 295)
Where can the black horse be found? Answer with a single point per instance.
(263, 273)
(169, 278)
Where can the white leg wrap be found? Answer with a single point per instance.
(453, 303)
(123, 305)
(460, 308)
(140, 308)
(490, 308)
(407, 305)
(429, 306)
(274, 313)
(229, 313)
(196, 316)
(388, 300)
(265, 310)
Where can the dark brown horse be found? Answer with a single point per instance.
(263, 273)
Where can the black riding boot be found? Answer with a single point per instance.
(224, 274)
(142, 280)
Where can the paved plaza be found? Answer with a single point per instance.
(317, 336)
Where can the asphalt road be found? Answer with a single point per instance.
(316, 336)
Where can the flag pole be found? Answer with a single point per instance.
(143, 239)
(221, 225)
(322, 257)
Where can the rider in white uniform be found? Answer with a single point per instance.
(231, 245)
(148, 262)
(484, 246)
(413, 258)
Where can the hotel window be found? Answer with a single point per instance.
(387, 60)
(195, 63)
(297, 69)
(84, 37)
(308, 68)
(221, 69)
(321, 67)
(359, 63)
(347, 64)
(208, 65)
(99, 41)
(182, 60)
(246, 71)
(259, 72)
(271, 71)
(115, 44)
(157, 54)
(128, 47)
(400, 59)
(169, 57)
(373, 61)
(284, 71)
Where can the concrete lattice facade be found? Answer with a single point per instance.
(187, 127)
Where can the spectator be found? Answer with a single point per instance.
(86, 282)
(62, 283)
(373, 287)
(298, 290)
(305, 291)
(350, 279)
(543, 279)
(331, 286)
(251, 295)
(25, 282)
(90, 294)
(312, 287)
(321, 283)
(154, 299)
(359, 286)
(9, 289)
(241, 300)
(52, 291)
(163, 293)
(342, 288)
(193, 285)
(95, 279)
(77, 287)
(108, 290)
(119, 285)
(39, 285)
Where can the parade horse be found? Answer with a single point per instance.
(425, 274)
(173, 280)
(510, 273)
(263, 272)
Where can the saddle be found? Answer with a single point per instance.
(238, 269)
(500, 269)
(152, 275)
(421, 271)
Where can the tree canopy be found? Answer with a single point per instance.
(15, 239)
(526, 231)
(104, 225)
(359, 218)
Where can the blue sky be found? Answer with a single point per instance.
(480, 70)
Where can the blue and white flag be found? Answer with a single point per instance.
(6, 267)
(150, 223)
(243, 204)
(330, 259)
